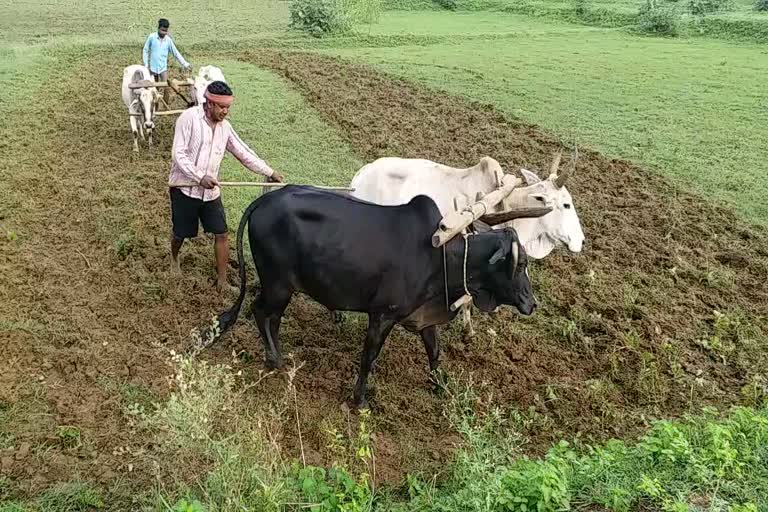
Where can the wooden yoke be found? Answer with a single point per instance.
(453, 223)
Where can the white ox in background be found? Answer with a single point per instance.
(141, 103)
(206, 75)
(393, 181)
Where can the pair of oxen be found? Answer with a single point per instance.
(373, 251)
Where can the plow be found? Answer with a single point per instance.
(172, 84)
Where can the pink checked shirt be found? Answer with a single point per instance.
(198, 148)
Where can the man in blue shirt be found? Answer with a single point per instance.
(156, 54)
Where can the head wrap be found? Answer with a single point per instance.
(219, 99)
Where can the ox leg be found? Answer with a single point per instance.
(268, 311)
(337, 317)
(149, 137)
(135, 132)
(378, 330)
(432, 346)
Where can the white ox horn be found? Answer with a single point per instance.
(493, 219)
(561, 178)
(515, 256)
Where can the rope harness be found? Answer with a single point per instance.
(464, 270)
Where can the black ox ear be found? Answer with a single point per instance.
(499, 255)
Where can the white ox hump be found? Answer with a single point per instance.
(393, 180)
(206, 75)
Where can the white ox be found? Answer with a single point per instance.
(206, 75)
(392, 181)
(141, 103)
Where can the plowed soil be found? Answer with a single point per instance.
(618, 339)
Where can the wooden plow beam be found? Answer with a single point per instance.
(257, 184)
(172, 83)
(161, 113)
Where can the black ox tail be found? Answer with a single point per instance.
(228, 318)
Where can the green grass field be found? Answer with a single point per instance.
(692, 109)
(283, 131)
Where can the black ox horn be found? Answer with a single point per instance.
(493, 219)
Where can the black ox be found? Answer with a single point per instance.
(350, 255)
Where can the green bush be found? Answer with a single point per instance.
(702, 7)
(318, 17)
(447, 4)
(761, 5)
(540, 485)
(580, 7)
(658, 19)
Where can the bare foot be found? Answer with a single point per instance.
(175, 267)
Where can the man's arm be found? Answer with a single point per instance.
(248, 158)
(177, 55)
(182, 133)
(146, 51)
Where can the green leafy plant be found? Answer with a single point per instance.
(188, 506)
(334, 490)
(69, 436)
(534, 485)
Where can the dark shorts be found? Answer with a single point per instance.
(187, 212)
(161, 77)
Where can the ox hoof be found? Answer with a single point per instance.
(360, 405)
(438, 379)
(274, 364)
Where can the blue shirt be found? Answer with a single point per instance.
(156, 53)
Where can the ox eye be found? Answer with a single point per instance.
(567, 206)
(539, 198)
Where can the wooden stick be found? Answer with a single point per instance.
(258, 184)
(464, 299)
(453, 223)
(168, 112)
(176, 89)
(160, 113)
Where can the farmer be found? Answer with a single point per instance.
(156, 55)
(202, 135)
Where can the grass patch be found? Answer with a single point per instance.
(277, 124)
(64, 497)
(218, 448)
(712, 459)
(113, 21)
